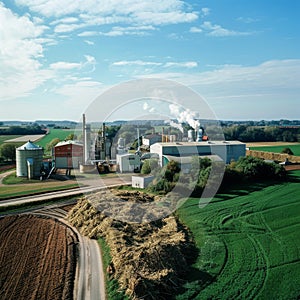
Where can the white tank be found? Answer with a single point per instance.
(121, 143)
(191, 135)
(200, 135)
(29, 160)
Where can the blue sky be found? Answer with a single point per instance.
(241, 56)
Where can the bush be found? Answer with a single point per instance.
(287, 151)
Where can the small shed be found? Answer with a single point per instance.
(141, 181)
(29, 160)
(68, 155)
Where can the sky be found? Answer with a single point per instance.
(57, 56)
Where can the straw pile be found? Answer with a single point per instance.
(147, 258)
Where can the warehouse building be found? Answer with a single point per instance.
(226, 150)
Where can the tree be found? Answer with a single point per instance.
(8, 151)
(71, 137)
(149, 166)
(287, 151)
(50, 145)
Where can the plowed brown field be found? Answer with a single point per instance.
(37, 258)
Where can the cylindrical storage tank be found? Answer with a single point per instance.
(29, 160)
(200, 135)
(121, 143)
(191, 135)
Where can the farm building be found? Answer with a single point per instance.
(151, 139)
(128, 162)
(226, 150)
(29, 160)
(67, 155)
(140, 181)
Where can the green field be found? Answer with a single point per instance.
(53, 134)
(4, 138)
(249, 242)
(278, 149)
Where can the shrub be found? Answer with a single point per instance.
(287, 151)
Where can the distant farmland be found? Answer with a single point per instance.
(278, 149)
(250, 243)
(53, 134)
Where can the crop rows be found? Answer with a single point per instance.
(249, 243)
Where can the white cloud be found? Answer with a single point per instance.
(195, 30)
(267, 90)
(20, 54)
(68, 20)
(276, 76)
(205, 11)
(94, 12)
(88, 33)
(219, 31)
(65, 66)
(188, 64)
(80, 93)
(136, 63)
(89, 42)
(122, 63)
(247, 20)
(67, 27)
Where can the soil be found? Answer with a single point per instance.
(37, 258)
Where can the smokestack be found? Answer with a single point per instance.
(83, 138)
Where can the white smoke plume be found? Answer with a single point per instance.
(176, 125)
(184, 116)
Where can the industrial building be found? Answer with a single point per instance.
(128, 163)
(29, 160)
(151, 139)
(67, 155)
(226, 150)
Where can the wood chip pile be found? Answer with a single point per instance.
(147, 258)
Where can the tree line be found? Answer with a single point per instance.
(22, 130)
(247, 168)
(261, 134)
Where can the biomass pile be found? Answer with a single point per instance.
(147, 258)
(37, 258)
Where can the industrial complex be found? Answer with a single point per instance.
(96, 151)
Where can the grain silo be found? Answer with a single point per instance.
(29, 160)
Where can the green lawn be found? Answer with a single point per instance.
(32, 189)
(249, 242)
(278, 149)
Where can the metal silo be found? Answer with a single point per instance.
(29, 160)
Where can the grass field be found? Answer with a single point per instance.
(249, 242)
(53, 134)
(34, 187)
(278, 149)
(4, 138)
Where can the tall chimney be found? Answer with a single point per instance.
(83, 139)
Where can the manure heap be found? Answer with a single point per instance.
(148, 259)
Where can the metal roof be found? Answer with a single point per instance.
(203, 143)
(69, 142)
(29, 146)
